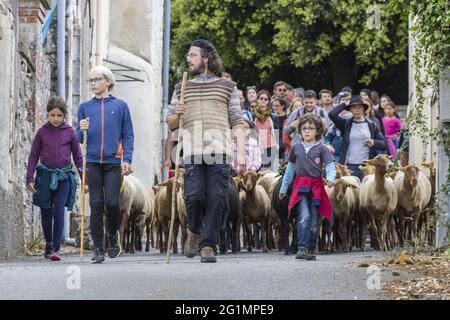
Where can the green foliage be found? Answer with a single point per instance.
(431, 33)
(258, 38)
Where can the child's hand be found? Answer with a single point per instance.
(330, 147)
(281, 196)
(31, 188)
(166, 164)
(126, 169)
(84, 124)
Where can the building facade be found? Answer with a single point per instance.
(126, 37)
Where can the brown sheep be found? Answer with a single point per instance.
(345, 199)
(163, 213)
(255, 206)
(414, 194)
(132, 202)
(378, 200)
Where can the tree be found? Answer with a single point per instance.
(259, 40)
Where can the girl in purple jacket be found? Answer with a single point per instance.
(53, 147)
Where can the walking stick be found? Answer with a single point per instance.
(83, 188)
(177, 165)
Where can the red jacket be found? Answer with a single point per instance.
(319, 197)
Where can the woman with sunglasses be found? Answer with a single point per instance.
(266, 132)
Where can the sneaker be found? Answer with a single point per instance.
(48, 251)
(310, 255)
(301, 254)
(207, 254)
(99, 255)
(191, 245)
(55, 256)
(114, 246)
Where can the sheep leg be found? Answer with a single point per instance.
(176, 227)
(160, 236)
(183, 235)
(132, 242)
(264, 235)
(401, 227)
(249, 236)
(362, 229)
(147, 242)
(374, 232)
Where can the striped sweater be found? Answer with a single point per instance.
(212, 108)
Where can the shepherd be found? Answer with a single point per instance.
(211, 109)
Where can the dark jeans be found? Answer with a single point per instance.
(205, 194)
(104, 191)
(356, 171)
(307, 223)
(53, 218)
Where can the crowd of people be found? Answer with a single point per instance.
(275, 118)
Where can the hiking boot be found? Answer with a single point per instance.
(301, 254)
(207, 254)
(310, 255)
(113, 246)
(55, 256)
(192, 244)
(99, 255)
(48, 251)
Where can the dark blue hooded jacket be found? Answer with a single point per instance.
(110, 134)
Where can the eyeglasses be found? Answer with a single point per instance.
(95, 80)
(282, 90)
(308, 129)
(265, 99)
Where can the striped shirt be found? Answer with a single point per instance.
(234, 106)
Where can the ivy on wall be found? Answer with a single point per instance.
(430, 29)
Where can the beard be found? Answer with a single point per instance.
(197, 71)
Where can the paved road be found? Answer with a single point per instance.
(146, 276)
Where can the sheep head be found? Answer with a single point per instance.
(411, 175)
(340, 188)
(382, 163)
(367, 169)
(249, 180)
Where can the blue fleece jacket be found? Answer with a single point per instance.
(110, 134)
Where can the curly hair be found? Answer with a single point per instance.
(313, 120)
(215, 64)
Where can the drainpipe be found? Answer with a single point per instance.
(98, 33)
(61, 66)
(165, 75)
(61, 48)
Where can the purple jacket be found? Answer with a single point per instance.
(55, 148)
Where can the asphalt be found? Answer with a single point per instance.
(147, 276)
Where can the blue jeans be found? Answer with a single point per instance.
(356, 171)
(53, 218)
(307, 223)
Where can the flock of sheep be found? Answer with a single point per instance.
(393, 205)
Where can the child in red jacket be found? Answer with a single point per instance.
(306, 160)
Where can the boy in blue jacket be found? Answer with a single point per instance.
(110, 141)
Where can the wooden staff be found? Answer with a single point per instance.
(83, 188)
(177, 166)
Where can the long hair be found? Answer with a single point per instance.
(215, 65)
